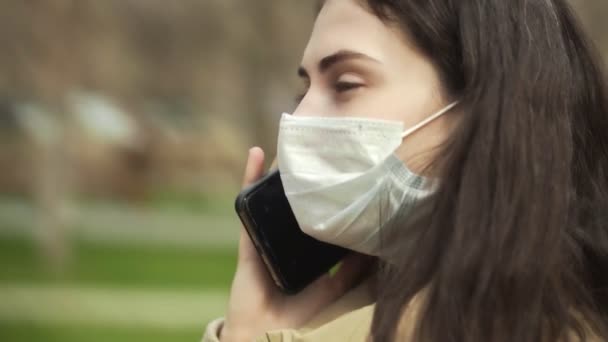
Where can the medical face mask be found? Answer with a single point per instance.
(343, 180)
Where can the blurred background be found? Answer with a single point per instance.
(124, 128)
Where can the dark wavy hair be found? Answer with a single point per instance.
(514, 246)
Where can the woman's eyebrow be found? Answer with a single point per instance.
(343, 55)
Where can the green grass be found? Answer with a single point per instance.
(107, 266)
(28, 332)
(122, 266)
(98, 264)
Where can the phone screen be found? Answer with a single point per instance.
(296, 257)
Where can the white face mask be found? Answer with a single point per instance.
(342, 179)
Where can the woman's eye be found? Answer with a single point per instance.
(342, 87)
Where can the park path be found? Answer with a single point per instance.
(76, 304)
(142, 308)
(118, 224)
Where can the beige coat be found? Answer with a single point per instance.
(347, 319)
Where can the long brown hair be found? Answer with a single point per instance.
(514, 245)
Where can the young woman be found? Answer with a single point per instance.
(489, 218)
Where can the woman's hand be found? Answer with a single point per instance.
(256, 305)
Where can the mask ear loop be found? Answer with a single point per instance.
(428, 120)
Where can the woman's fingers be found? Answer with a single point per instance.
(352, 270)
(253, 171)
(255, 166)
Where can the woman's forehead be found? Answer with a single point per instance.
(347, 25)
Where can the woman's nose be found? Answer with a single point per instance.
(312, 104)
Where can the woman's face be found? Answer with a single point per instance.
(357, 66)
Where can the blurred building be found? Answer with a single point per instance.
(132, 94)
(117, 97)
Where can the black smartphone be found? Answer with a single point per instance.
(293, 259)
